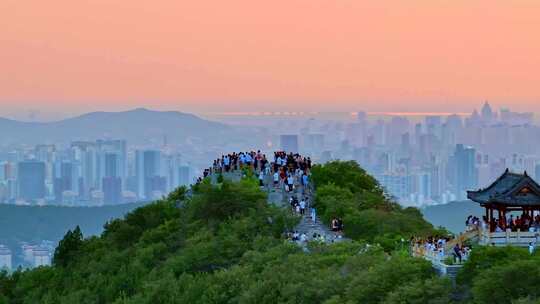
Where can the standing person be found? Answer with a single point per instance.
(266, 166)
(276, 179)
(457, 253)
(303, 206)
(227, 163)
(313, 215)
(531, 248)
(261, 178)
(334, 225)
(290, 182)
(340, 226)
(282, 178)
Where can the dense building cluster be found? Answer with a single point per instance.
(435, 159)
(31, 255)
(89, 173)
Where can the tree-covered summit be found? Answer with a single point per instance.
(223, 243)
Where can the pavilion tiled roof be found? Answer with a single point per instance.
(511, 189)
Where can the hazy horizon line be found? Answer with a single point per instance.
(52, 116)
(27, 116)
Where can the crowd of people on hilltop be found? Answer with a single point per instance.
(299, 206)
(302, 238)
(236, 161)
(461, 253)
(523, 222)
(472, 223)
(436, 247)
(286, 170)
(431, 246)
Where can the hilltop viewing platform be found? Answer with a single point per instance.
(285, 177)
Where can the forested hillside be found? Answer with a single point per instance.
(224, 244)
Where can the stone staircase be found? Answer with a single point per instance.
(461, 238)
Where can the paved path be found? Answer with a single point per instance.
(279, 197)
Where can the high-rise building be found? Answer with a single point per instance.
(31, 180)
(112, 190)
(85, 154)
(147, 167)
(397, 185)
(118, 147)
(139, 173)
(41, 257)
(111, 183)
(171, 165)
(466, 175)
(45, 153)
(424, 186)
(397, 127)
(487, 113)
(63, 179)
(289, 143)
(112, 165)
(434, 126)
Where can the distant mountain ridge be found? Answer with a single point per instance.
(452, 215)
(138, 126)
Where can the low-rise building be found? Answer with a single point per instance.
(5, 258)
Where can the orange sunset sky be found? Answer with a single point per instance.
(73, 56)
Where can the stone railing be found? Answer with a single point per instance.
(508, 237)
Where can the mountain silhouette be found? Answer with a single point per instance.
(138, 126)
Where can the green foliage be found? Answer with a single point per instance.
(500, 275)
(225, 201)
(126, 232)
(486, 257)
(68, 248)
(346, 174)
(346, 191)
(514, 280)
(451, 260)
(223, 244)
(431, 291)
(375, 284)
(220, 178)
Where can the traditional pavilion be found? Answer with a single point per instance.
(510, 192)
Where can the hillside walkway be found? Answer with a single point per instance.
(281, 198)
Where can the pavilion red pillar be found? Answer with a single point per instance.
(492, 228)
(504, 218)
